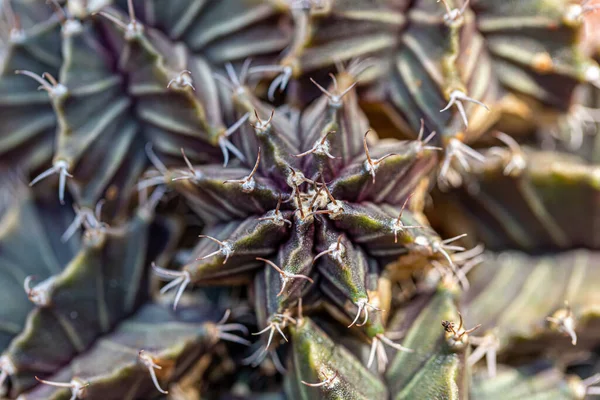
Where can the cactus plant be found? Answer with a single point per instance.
(290, 199)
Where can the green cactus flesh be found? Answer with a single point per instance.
(299, 199)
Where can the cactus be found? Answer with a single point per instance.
(293, 199)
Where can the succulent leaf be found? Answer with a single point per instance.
(113, 367)
(437, 367)
(30, 246)
(99, 286)
(532, 382)
(27, 115)
(534, 208)
(533, 46)
(316, 360)
(531, 311)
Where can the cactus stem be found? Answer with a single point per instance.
(328, 382)
(285, 276)
(248, 183)
(177, 278)
(77, 386)
(149, 363)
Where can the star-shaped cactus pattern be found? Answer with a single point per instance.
(324, 201)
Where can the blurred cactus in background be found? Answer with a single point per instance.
(299, 199)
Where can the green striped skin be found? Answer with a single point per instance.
(436, 369)
(535, 210)
(279, 171)
(94, 283)
(30, 244)
(28, 119)
(512, 294)
(111, 366)
(536, 382)
(299, 203)
(577, 130)
(316, 357)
